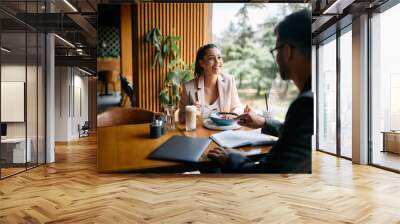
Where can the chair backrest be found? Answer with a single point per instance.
(126, 86)
(127, 89)
(86, 125)
(125, 115)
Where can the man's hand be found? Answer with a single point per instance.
(221, 154)
(251, 119)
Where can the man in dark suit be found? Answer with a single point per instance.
(292, 152)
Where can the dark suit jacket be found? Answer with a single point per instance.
(292, 152)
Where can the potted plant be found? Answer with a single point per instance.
(177, 72)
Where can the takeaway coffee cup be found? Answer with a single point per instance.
(190, 114)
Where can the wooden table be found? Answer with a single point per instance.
(391, 141)
(126, 147)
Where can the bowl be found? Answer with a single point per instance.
(223, 118)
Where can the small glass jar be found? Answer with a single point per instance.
(169, 112)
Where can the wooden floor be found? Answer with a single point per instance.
(71, 191)
(386, 159)
(5, 172)
(8, 171)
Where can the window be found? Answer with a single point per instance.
(22, 67)
(346, 93)
(385, 84)
(327, 95)
(246, 36)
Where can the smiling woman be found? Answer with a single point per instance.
(215, 90)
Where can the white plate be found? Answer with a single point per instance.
(208, 123)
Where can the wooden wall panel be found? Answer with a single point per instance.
(92, 103)
(126, 41)
(189, 20)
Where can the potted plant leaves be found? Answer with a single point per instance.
(177, 72)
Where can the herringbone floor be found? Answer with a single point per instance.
(71, 191)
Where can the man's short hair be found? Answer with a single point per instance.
(295, 29)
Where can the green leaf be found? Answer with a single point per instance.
(190, 67)
(175, 77)
(164, 98)
(175, 89)
(155, 59)
(175, 50)
(170, 75)
(156, 35)
(177, 99)
(160, 60)
(157, 46)
(174, 47)
(166, 49)
(187, 75)
(157, 32)
(148, 36)
(175, 62)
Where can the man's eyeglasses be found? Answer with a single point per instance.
(273, 51)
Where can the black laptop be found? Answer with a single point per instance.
(181, 148)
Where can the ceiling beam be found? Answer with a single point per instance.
(337, 7)
(81, 61)
(89, 30)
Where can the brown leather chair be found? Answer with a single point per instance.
(125, 115)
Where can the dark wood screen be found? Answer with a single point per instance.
(189, 20)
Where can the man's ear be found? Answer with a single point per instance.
(289, 52)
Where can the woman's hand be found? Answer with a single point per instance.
(198, 108)
(247, 109)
